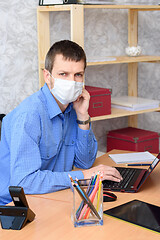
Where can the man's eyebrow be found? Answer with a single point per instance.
(66, 72)
(62, 71)
(79, 72)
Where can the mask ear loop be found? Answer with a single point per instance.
(50, 80)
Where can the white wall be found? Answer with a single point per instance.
(105, 35)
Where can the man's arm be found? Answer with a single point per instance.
(26, 162)
(86, 145)
(85, 149)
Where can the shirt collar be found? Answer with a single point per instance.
(51, 104)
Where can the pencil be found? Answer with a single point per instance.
(82, 203)
(99, 192)
(93, 184)
(89, 203)
(139, 164)
(93, 194)
(84, 196)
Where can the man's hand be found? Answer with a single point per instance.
(81, 106)
(109, 173)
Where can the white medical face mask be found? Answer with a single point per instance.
(66, 91)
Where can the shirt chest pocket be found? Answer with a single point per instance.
(48, 152)
(69, 141)
(70, 136)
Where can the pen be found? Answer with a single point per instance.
(141, 164)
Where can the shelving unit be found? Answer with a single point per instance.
(77, 35)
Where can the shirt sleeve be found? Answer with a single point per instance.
(86, 148)
(25, 159)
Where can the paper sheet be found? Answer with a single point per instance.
(140, 157)
(134, 103)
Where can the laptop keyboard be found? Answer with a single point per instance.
(126, 173)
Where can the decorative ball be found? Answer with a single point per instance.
(133, 51)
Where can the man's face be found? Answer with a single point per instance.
(67, 70)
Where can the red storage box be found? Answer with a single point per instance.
(100, 101)
(133, 139)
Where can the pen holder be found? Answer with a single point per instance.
(84, 214)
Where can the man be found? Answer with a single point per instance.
(50, 132)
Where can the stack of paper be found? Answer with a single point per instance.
(54, 2)
(140, 157)
(134, 103)
(50, 2)
(96, 1)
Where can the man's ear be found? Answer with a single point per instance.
(46, 76)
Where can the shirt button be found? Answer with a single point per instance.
(47, 156)
(72, 142)
(84, 136)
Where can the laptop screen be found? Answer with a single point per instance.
(150, 169)
(154, 163)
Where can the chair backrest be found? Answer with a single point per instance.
(1, 117)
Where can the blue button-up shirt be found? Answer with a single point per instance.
(40, 145)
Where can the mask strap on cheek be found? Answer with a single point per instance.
(50, 80)
(50, 86)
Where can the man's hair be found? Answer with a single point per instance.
(70, 51)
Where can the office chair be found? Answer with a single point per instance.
(1, 117)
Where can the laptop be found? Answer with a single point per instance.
(133, 178)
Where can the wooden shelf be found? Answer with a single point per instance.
(67, 7)
(116, 112)
(126, 59)
(135, 7)
(121, 59)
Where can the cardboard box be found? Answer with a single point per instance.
(100, 101)
(133, 139)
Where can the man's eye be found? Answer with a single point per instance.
(79, 75)
(62, 74)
